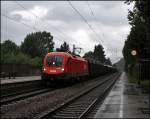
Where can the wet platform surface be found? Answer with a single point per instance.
(124, 101)
(20, 79)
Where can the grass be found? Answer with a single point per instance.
(145, 84)
(132, 79)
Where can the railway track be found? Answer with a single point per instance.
(16, 97)
(81, 105)
(10, 89)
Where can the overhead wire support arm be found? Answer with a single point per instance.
(75, 48)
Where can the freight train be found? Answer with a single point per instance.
(65, 67)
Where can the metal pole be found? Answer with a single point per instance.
(73, 49)
(139, 75)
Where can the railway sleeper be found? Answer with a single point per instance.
(75, 106)
(72, 110)
(58, 117)
(81, 105)
(67, 115)
(84, 101)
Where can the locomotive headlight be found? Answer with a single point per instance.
(62, 70)
(44, 69)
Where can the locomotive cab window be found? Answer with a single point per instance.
(54, 61)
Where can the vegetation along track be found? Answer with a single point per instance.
(16, 97)
(80, 105)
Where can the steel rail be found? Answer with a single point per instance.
(71, 100)
(10, 89)
(99, 99)
(23, 96)
(19, 93)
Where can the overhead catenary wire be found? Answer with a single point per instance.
(25, 9)
(26, 25)
(33, 14)
(58, 30)
(42, 21)
(37, 17)
(83, 18)
(4, 15)
(93, 14)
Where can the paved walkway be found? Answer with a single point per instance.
(20, 79)
(124, 101)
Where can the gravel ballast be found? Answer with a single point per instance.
(34, 106)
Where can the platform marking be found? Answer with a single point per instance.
(121, 102)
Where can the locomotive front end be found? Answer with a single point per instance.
(53, 64)
(53, 67)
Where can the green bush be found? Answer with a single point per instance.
(8, 58)
(11, 54)
(145, 85)
(37, 61)
(19, 58)
(22, 58)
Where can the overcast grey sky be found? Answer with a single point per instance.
(108, 19)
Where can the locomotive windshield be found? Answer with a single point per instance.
(54, 61)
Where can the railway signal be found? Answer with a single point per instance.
(134, 52)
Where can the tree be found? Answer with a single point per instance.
(99, 53)
(64, 48)
(8, 50)
(88, 55)
(37, 44)
(36, 61)
(138, 39)
(9, 47)
(143, 8)
(108, 62)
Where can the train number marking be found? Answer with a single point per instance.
(52, 70)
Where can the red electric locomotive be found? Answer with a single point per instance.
(62, 66)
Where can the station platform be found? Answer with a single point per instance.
(125, 100)
(19, 79)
